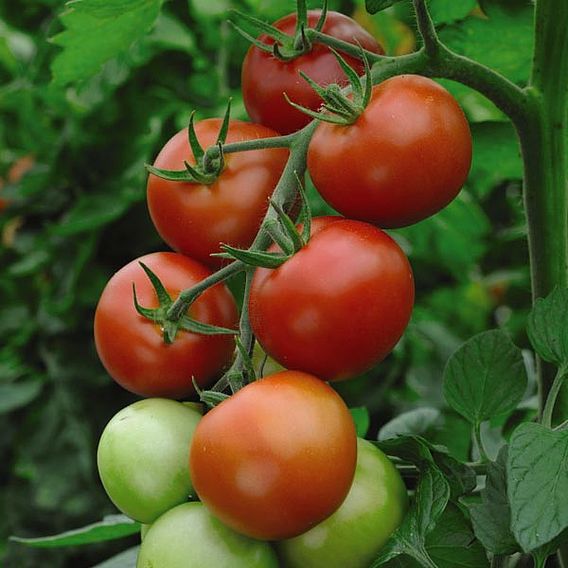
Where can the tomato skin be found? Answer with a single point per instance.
(354, 534)
(265, 78)
(339, 305)
(195, 218)
(142, 457)
(277, 457)
(131, 347)
(188, 536)
(405, 158)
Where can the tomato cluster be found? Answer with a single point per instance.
(278, 460)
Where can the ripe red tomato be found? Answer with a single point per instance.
(265, 78)
(339, 305)
(194, 218)
(405, 158)
(277, 457)
(131, 346)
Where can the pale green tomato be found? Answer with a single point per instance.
(143, 457)
(353, 535)
(144, 530)
(188, 536)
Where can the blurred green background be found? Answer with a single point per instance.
(82, 112)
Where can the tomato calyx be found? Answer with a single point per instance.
(284, 47)
(209, 163)
(283, 232)
(339, 107)
(159, 315)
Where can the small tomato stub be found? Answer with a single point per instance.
(354, 534)
(277, 457)
(142, 457)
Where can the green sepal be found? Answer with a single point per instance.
(305, 215)
(274, 229)
(246, 358)
(222, 136)
(194, 144)
(163, 297)
(172, 175)
(353, 78)
(149, 313)
(259, 44)
(209, 397)
(314, 114)
(261, 27)
(202, 178)
(323, 16)
(256, 258)
(188, 324)
(302, 14)
(290, 229)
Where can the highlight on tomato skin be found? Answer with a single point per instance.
(277, 457)
(195, 218)
(265, 78)
(132, 348)
(409, 154)
(339, 305)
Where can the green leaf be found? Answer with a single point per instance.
(537, 479)
(16, 395)
(170, 33)
(547, 327)
(512, 31)
(485, 377)
(97, 31)
(126, 559)
(110, 528)
(492, 517)
(496, 156)
(374, 6)
(362, 420)
(90, 212)
(417, 421)
(446, 11)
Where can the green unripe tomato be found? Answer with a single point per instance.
(354, 534)
(143, 454)
(144, 531)
(188, 536)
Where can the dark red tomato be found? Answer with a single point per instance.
(277, 457)
(193, 218)
(405, 158)
(131, 346)
(265, 78)
(339, 305)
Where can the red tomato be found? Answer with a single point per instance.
(339, 305)
(131, 347)
(265, 78)
(405, 158)
(277, 457)
(194, 218)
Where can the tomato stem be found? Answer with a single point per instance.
(553, 396)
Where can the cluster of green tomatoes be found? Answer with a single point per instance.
(274, 475)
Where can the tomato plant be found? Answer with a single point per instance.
(353, 535)
(277, 457)
(266, 78)
(188, 536)
(339, 305)
(409, 154)
(132, 348)
(142, 457)
(194, 218)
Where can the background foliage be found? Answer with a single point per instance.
(88, 94)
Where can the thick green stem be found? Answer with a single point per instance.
(544, 144)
